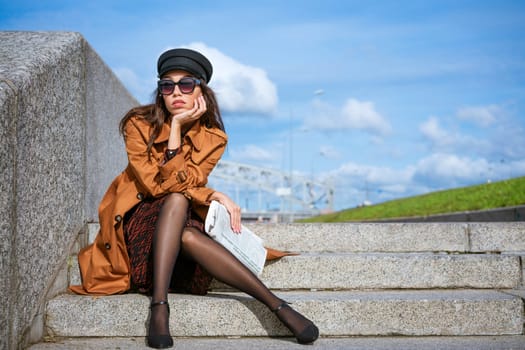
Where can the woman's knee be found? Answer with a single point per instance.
(190, 237)
(176, 201)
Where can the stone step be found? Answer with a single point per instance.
(395, 237)
(388, 237)
(515, 342)
(383, 271)
(343, 313)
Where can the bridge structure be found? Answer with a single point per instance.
(279, 196)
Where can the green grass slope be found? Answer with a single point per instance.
(487, 196)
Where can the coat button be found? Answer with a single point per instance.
(140, 196)
(107, 246)
(118, 218)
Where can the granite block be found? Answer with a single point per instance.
(44, 78)
(370, 313)
(338, 271)
(497, 237)
(92, 232)
(512, 342)
(74, 271)
(361, 237)
(50, 169)
(391, 271)
(107, 101)
(8, 107)
(388, 237)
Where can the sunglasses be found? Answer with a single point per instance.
(186, 85)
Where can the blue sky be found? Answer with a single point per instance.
(386, 99)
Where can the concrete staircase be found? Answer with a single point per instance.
(367, 286)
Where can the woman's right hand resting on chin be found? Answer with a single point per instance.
(190, 115)
(184, 118)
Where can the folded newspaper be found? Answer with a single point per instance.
(245, 246)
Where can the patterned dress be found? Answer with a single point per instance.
(139, 226)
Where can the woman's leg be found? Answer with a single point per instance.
(166, 247)
(222, 265)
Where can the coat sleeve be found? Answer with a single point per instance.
(186, 173)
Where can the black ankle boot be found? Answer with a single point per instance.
(306, 335)
(159, 341)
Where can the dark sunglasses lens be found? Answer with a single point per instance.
(186, 86)
(166, 87)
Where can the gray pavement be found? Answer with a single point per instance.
(357, 343)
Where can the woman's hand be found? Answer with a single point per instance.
(233, 209)
(190, 115)
(183, 118)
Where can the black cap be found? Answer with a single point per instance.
(185, 59)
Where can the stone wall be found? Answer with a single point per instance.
(59, 111)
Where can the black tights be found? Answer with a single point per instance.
(172, 237)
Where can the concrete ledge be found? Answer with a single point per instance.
(350, 343)
(361, 237)
(389, 237)
(497, 237)
(468, 312)
(364, 237)
(53, 91)
(382, 271)
(392, 271)
(45, 102)
(395, 237)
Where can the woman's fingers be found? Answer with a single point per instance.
(202, 105)
(233, 209)
(198, 109)
(235, 218)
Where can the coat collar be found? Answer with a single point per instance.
(194, 135)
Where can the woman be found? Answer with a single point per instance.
(156, 207)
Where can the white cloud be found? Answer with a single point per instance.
(355, 114)
(435, 133)
(378, 175)
(239, 87)
(251, 153)
(362, 115)
(357, 182)
(432, 130)
(451, 169)
(483, 116)
(448, 140)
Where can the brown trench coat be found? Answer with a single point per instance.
(104, 264)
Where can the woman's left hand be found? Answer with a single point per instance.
(233, 209)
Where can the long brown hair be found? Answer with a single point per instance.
(156, 114)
